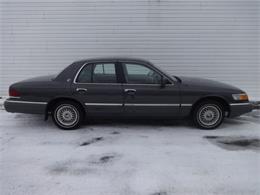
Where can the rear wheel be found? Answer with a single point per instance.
(67, 115)
(208, 115)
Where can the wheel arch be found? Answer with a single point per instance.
(54, 101)
(219, 99)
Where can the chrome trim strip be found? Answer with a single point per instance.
(239, 104)
(103, 104)
(14, 97)
(100, 83)
(118, 104)
(152, 104)
(26, 102)
(146, 84)
(186, 105)
(122, 84)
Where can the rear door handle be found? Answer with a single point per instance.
(81, 90)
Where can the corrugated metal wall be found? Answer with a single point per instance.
(204, 38)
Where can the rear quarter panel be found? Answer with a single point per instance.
(42, 91)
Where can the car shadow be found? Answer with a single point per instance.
(35, 121)
(136, 122)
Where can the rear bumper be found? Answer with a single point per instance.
(237, 109)
(29, 107)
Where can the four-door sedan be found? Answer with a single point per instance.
(128, 88)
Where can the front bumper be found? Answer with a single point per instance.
(237, 109)
(29, 107)
(256, 105)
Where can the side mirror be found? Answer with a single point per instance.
(164, 81)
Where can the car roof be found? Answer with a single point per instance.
(113, 59)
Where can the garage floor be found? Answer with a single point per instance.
(126, 157)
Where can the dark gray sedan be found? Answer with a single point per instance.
(125, 88)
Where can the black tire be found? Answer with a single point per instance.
(67, 115)
(208, 115)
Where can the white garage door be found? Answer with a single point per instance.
(204, 38)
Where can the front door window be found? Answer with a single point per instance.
(140, 74)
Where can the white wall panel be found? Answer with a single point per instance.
(204, 38)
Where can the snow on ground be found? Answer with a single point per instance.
(128, 158)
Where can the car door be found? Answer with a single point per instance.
(97, 85)
(144, 93)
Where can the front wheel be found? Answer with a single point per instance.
(208, 115)
(67, 115)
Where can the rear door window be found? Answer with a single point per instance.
(104, 73)
(98, 73)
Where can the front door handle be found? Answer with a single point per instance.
(81, 90)
(130, 91)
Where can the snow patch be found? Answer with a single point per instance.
(145, 158)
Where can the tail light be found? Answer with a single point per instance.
(13, 93)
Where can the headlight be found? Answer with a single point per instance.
(242, 96)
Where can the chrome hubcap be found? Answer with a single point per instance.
(209, 115)
(67, 115)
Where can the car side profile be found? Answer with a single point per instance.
(125, 87)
